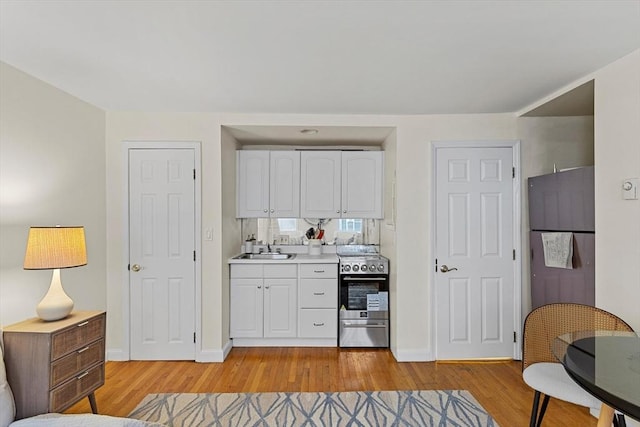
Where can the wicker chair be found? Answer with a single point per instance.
(541, 370)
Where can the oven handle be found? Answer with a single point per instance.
(358, 325)
(365, 279)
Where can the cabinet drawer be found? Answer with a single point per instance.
(76, 388)
(321, 271)
(76, 362)
(318, 293)
(77, 336)
(321, 323)
(281, 270)
(246, 271)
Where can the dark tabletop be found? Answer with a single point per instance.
(606, 364)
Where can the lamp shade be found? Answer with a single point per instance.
(55, 247)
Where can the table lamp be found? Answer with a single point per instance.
(55, 248)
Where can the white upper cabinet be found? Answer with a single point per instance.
(284, 184)
(268, 184)
(362, 176)
(320, 184)
(341, 184)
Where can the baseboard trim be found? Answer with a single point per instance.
(413, 355)
(116, 355)
(215, 356)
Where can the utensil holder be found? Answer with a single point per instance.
(315, 247)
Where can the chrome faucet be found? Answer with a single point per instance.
(268, 248)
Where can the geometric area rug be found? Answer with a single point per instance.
(310, 409)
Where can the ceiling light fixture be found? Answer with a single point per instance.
(309, 131)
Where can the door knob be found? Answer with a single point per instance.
(136, 267)
(446, 269)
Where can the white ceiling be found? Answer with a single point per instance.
(316, 57)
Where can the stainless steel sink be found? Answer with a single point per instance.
(265, 256)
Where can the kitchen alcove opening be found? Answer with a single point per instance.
(291, 231)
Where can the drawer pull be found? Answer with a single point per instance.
(318, 293)
(318, 324)
(318, 271)
(82, 350)
(82, 324)
(81, 376)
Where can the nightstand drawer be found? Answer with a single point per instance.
(76, 388)
(76, 362)
(77, 336)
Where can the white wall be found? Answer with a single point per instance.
(142, 127)
(617, 152)
(412, 151)
(52, 171)
(414, 222)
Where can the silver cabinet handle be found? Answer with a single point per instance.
(266, 287)
(80, 325)
(136, 267)
(259, 287)
(355, 325)
(82, 350)
(446, 269)
(318, 293)
(318, 324)
(318, 271)
(81, 376)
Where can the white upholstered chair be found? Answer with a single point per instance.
(541, 370)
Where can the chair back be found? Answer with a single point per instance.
(547, 322)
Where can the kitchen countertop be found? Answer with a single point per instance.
(298, 259)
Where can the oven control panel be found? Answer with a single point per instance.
(379, 265)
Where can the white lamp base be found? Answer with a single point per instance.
(56, 304)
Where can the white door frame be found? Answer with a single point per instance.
(126, 303)
(517, 239)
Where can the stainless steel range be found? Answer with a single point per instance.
(363, 298)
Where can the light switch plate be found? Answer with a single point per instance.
(630, 189)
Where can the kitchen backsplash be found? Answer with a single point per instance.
(292, 231)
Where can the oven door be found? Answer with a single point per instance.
(355, 291)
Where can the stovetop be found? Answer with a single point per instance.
(361, 259)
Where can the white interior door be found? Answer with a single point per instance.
(474, 239)
(161, 254)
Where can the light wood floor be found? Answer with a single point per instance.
(498, 386)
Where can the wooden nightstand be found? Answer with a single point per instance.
(52, 365)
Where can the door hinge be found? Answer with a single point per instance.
(194, 338)
(514, 254)
(514, 336)
(194, 174)
(194, 255)
(436, 265)
(513, 172)
(129, 267)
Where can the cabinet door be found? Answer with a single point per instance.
(320, 184)
(280, 306)
(252, 184)
(362, 176)
(563, 201)
(284, 186)
(246, 308)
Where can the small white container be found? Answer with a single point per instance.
(315, 247)
(248, 246)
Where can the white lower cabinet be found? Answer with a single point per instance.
(318, 323)
(318, 301)
(284, 304)
(263, 301)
